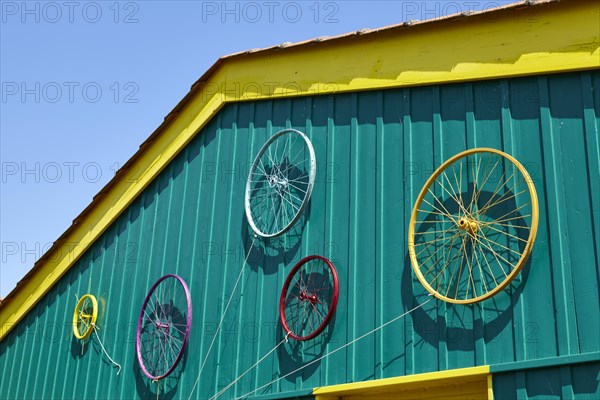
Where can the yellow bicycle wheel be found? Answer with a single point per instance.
(84, 316)
(473, 226)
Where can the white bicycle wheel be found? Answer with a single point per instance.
(280, 183)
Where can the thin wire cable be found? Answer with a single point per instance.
(285, 339)
(222, 318)
(336, 350)
(157, 387)
(103, 349)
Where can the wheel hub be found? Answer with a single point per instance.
(163, 326)
(308, 297)
(468, 225)
(277, 183)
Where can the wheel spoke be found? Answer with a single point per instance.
(453, 194)
(475, 256)
(462, 257)
(496, 255)
(441, 258)
(497, 188)
(442, 233)
(484, 181)
(445, 212)
(309, 298)
(162, 337)
(475, 176)
(506, 233)
(501, 200)
(287, 179)
(431, 242)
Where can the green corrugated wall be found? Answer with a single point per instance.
(374, 152)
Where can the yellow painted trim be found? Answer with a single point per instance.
(490, 388)
(503, 43)
(454, 376)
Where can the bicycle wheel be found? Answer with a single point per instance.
(84, 316)
(473, 226)
(280, 183)
(309, 298)
(163, 327)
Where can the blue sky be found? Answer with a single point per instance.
(84, 83)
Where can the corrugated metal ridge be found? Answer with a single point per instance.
(211, 71)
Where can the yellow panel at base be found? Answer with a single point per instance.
(472, 383)
(515, 41)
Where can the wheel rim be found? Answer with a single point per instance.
(163, 327)
(280, 183)
(309, 298)
(473, 226)
(84, 316)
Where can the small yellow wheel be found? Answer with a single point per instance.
(473, 226)
(84, 316)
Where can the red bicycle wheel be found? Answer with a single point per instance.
(309, 298)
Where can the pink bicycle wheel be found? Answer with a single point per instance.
(163, 327)
(309, 298)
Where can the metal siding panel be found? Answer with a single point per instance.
(591, 100)
(338, 226)
(362, 227)
(586, 280)
(527, 146)
(216, 283)
(566, 111)
(134, 269)
(439, 142)
(316, 119)
(243, 327)
(303, 118)
(122, 306)
(337, 181)
(64, 335)
(224, 373)
(579, 381)
(426, 156)
(556, 207)
(17, 369)
(457, 128)
(52, 351)
(39, 319)
(105, 372)
(19, 387)
(199, 199)
(375, 150)
(232, 247)
(259, 116)
(412, 168)
(584, 381)
(391, 249)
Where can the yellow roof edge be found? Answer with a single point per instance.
(460, 375)
(525, 40)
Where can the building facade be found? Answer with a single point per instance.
(383, 110)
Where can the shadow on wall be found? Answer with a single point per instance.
(166, 388)
(295, 354)
(458, 326)
(79, 348)
(269, 254)
(574, 381)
